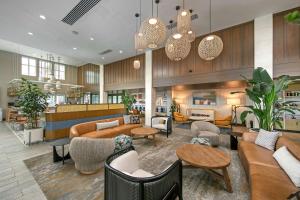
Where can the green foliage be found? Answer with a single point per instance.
(293, 17)
(128, 100)
(264, 93)
(173, 107)
(32, 101)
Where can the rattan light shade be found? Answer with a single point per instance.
(210, 47)
(154, 32)
(177, 48)
(184, 21)
(139, 42)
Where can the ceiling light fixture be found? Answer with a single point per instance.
(102, 58)
(191, 34)
(153, 29)
(92, 38)
(30, 33)
(120, 51)
(42, 17)
(211, 46)
(74, 48)
(184, 20)
(136, 62)
(139, 40)
(177, 46)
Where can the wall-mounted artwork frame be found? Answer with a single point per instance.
(205, 98)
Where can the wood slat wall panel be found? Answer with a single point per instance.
(286, 46)
(122, 75)
(89, 85)
(237, 55)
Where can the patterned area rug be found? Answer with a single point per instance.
(64, 182)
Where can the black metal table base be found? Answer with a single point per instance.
(233, 142)
(58, 158)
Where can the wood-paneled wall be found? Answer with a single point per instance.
(237, 58)
(88, 76)
(286, 46)
(121, 74)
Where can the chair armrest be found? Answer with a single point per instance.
(249, 136)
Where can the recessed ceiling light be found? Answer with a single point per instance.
(121, 51)
(102, 58)
(74, 48)
(92, 38)
(42, 17)
(29, 33)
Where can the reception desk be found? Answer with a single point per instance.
(58, 123)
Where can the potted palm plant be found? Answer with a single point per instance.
(32, 102)
(128, 100)
(265, 94)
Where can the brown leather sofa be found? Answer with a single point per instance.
(267, 180)
(89, 129)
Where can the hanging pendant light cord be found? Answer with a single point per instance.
(140, 12)
(152, 7)
(209, 16)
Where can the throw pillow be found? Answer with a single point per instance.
(122, 142)
(126, 119)
(104, 125)
(267, 139)
(135, 119)
(289, 164)
(162, 121)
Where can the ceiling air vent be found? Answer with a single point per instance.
(105, 52)
(79, 10)
(174, 24)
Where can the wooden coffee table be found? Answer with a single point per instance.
(144, 132)
(207, 158)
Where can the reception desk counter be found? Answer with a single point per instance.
(58, 123)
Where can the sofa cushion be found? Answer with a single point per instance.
(269, 183)
(135, 119)
(141, 173)
(289, 164)
(126, 119)
(267, 139)
(104, 125)
(159, 126)
(293, 146)
(254, 154)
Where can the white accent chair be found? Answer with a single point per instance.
(207, 130)
(166, 126)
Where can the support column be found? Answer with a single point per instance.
(148, 88)
(102, 94)
(263, 43)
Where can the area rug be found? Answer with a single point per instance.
(59, 181)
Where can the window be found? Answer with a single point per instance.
(95, 98)
(60, 99)
(59, 71)
(91, 77)
(45, 68)
(115, 96)
(28, 66)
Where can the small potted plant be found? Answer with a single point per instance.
(32, 102)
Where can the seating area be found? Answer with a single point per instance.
(150, 100)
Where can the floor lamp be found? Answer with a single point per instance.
(235, 103)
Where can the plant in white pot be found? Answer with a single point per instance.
(32, 102)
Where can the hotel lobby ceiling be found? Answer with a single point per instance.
(111, 24)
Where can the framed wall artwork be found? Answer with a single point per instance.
(205, 98)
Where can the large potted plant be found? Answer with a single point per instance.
(293, 17)
(32, 102)
(265, 94)
(128, 100)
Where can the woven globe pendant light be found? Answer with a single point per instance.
(136, 64)
(177, 46)
(184, 20)
(139, 42)
(211, 46)
(191, 36)
(153, 30)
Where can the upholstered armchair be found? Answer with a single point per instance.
(124, 180)
(207, 130)
(162, 123)
(89, 154)
(223, 121)
(180, 117)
